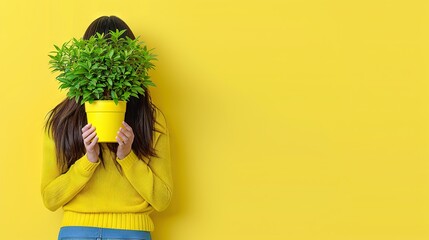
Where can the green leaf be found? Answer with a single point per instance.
(98, 68)
(113, 93)
(149, 83)
(127, 95)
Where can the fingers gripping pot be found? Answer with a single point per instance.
(106, 117)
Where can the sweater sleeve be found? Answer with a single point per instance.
(58, 189)
(152, 180)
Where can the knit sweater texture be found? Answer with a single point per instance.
(97, 195)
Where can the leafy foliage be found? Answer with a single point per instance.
(101, 68)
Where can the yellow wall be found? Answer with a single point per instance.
(289, 119)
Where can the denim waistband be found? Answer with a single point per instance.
(101, 233)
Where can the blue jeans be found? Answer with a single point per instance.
(94, 233)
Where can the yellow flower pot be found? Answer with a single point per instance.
(106, 117)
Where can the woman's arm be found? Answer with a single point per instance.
(152, 181)
(58, 189)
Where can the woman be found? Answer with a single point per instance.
(107, 190)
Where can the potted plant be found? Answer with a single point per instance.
(103, 73)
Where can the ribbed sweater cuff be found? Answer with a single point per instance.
(85, 167)
(128, 161)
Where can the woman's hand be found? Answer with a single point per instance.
(90, 140)
(125, 139)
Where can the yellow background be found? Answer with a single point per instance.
(289, 119)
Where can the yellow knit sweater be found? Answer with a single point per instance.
(99, 196)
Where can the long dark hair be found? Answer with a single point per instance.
(66, 120)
